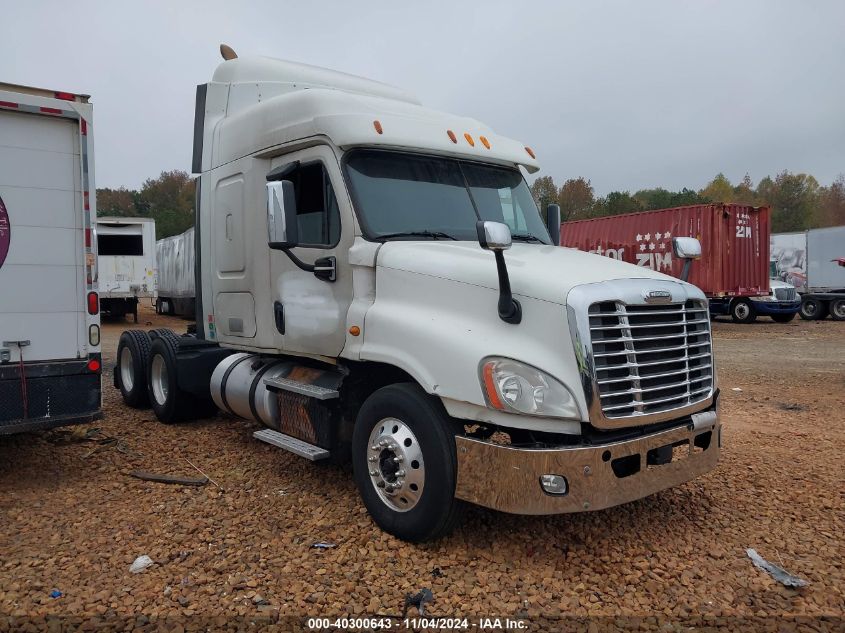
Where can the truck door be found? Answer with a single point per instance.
(310, 313)
(42, 297)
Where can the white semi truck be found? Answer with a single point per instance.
(127, 264)
(375, 283)
(49, 312)
(814, 262)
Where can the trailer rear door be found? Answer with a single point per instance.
(42, 291)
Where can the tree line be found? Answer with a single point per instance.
(168, 199)
(797, 201)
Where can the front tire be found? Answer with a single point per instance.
(405, 463)
(133, 352)
(742, 311)
(783, 318)
(837, 309)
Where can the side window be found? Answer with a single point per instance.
(316, 206)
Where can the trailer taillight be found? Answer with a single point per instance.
(93, 303)
(94, 364)
(66, 96)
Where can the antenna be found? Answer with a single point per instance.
(228, 52)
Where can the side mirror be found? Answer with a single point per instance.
(282, 229)
(496, 237)
(553, 223)
(493, 236)
(686, 247)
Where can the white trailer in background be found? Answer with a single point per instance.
(127, 263)
(814, 262)
(175, 261)
(49, 315)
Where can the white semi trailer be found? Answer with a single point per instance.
(176, 283)
(127, 264)
(814, 262)
(49, 312)
(376, 283)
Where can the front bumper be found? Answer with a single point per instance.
(777, 307)
(598, 476)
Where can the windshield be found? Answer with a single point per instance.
(407, 196)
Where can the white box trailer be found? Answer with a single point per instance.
(49, 315)
(175, 261)
(127, 264)
(814, 262)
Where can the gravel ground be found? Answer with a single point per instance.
(71, 519)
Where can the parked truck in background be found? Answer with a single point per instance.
(127, 264)
(175, 262)
(733, 270)
(814, 262)
(376, 284)
(49, 312)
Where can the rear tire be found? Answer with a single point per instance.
(130, 370)
(812, 309)
(742, 311)
(170, 403)
(404, 422)
(837, 309)
(783, 318)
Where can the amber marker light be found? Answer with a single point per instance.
(354, 330)
(452, 136)
(484, 141)
(531, 152)
(377, 125)
(469, 139)
(492, 394)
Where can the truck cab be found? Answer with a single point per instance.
(375, 283)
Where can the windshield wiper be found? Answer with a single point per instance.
(525, 237)
(431, 234)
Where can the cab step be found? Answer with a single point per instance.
(305, 389)
(292, 444)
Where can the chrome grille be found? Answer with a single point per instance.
(650, 358)
(785, 294)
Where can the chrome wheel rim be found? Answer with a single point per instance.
(741, 311)
(395, 464)
(127, 371)
(158, 379)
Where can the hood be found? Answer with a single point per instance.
(777, 283)
(541, 272)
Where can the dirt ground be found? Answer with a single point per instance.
(71, 519)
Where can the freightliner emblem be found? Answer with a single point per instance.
(658, 296)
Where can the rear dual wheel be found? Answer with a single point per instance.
(133, 353)
(170, 403)
(837, 309)
(812, 309)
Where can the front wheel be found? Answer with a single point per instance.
(837, 309)
(783, 318)
(742, 311)
(405, 463)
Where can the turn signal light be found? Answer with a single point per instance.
(490, 385)
(93, 303)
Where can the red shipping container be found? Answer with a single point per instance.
(734, 244)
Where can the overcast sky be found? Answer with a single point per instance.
(629, 95)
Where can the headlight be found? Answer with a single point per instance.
(512, 386)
